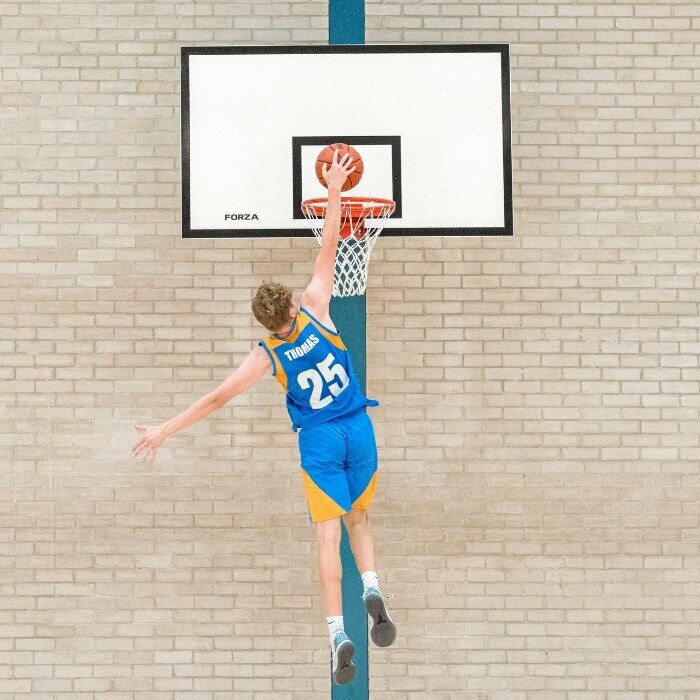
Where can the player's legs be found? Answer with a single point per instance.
(329, 567)
(361, 470)
(322, 449)
(361, 474)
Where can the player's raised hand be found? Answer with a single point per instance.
(337, 172)
(149, 443)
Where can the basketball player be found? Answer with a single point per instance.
(326, 404)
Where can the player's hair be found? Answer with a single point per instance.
(271, 305)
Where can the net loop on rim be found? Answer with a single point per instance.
(361, 221)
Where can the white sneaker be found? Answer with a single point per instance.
(383, 631)
(342, 652)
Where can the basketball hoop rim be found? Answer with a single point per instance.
(361, 221)
(356, 205)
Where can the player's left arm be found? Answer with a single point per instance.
(317, 296)
(245, 376)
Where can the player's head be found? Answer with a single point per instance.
(272, 306)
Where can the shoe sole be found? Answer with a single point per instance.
(383, 631)
(345, 671)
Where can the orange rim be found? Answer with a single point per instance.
(370, 207)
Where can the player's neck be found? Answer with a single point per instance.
(286, 331)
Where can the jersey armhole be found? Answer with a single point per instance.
(272, 359)
(317, 322)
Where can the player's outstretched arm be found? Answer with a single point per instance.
(246, 375)
(317, 295)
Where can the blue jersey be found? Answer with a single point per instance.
(314, 367)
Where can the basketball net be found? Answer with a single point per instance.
(361, 221)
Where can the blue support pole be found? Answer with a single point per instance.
(349, 315)
(346, 20)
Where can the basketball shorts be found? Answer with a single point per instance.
(338, 465)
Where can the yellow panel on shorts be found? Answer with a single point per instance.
(365, 499)
(321, 505)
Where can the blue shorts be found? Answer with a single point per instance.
(338, 465)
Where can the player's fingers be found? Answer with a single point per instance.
(346, 158)
(352, 170)
(335, 156)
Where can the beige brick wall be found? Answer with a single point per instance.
(537, 505)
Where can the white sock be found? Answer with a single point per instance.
(335, 625)
(369, 579)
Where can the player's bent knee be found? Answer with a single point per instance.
(355, 517)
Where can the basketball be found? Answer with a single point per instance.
(326, 157)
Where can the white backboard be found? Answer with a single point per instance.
(432, 124)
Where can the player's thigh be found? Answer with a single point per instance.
(361, 461)
(322, 451)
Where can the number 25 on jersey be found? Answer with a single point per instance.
(326, 375)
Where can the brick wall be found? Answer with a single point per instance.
(537, 506)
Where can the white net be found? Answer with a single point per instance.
(361, 222)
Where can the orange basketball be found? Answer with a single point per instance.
(326, 156)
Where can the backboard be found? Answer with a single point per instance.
(431, 122)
